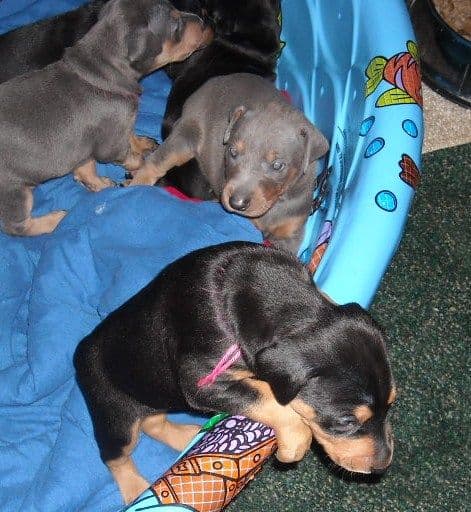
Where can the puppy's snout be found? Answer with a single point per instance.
(383, 453)
(239, 202)
(378, 471)
(199, 30)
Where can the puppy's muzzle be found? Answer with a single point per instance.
(200, 31)
(248, 203)
(360, 455)
(239, 202)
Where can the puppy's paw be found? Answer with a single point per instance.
(132, 488)
(130, 482)
(183, 435)
(293, 442)
(96, 183)
(176, 435)
(55, 217)
(141, 178)
(143, 145)
(148, 145)
(103, 183)
(45, 224)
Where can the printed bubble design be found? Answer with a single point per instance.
(410, 128)
(374, 147)
(366, 125)
(386, 200)
(233, 436)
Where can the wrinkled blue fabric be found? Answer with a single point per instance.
(54, 289)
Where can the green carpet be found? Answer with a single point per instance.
(424, 305)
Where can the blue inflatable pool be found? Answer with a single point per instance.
(352, 66)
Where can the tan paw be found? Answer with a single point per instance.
(175, 435)
(145, 145)
(102, 183)
(96, 183)
(132, 488)
(183, 435)
(293, 443)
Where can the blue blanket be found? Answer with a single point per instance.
(55, 289)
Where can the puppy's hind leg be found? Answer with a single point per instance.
(87, 176)
(15, 214)
(178, 149)
(175, 435)
(130, 482)
(116, 420)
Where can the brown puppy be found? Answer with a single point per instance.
(257, 152)
(82, 108)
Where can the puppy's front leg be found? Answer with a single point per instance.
(293, 435)
(86, 174)
(139, 148)
(254, 398)
(175, 151)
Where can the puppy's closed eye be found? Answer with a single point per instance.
(346, 425)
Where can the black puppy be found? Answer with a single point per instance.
(82, 108)
(247, 40)
(301, 364)
(39, 44)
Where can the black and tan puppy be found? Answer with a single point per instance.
(300, 364)
(246, 40)
(256, 151)
(82, 108)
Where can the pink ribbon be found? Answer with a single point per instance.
(231, 355)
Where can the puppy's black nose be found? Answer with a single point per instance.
(239, 203)
(379, 471)
(188, 17)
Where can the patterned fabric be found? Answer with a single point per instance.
(216, 469)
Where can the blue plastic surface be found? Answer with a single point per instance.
(329, 46)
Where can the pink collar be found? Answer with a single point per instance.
(231, 355)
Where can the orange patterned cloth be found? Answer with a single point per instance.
(215, 470)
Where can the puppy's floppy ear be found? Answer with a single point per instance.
(355, 312)
(131, 26)
(283, 367)
(143, 47)
(236, 114)
(315, 146)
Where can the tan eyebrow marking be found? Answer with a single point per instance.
(362, 413)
